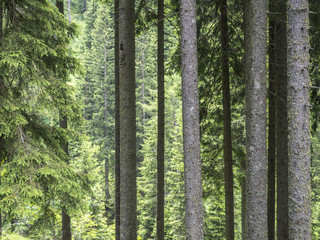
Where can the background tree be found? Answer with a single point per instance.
(282, 119)
(227, 139)
(128, 222)
(161, 128)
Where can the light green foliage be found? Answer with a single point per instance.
(315, 182)
(34, 62)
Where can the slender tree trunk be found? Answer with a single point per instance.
(282, 121)
(299, 120)
(256, 93)
(191, 132)
(106, 160)
(160, 147)
(117, 120)
(243, 161)
(128, 194)
(227, 145)
(272, 124)
(66, 221)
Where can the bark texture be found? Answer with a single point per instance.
(191, 129)
(282, 121)
(227, 140)
(272, 122)
(256, 91)
(128, 192)
(299, 120)
(160, 147)
(117, 120)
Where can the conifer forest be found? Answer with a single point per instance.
(167, 120)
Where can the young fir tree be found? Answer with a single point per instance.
(33, 64)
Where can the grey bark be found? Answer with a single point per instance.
(128, 195)
(227, 139)
(272, 123)
(256, 168)
(191, 132)
(117, 120)
(299, 120)
(161, 120)
(282, 121)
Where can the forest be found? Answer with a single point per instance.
(168, 119)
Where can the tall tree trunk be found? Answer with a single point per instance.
(282, 121)
(128, 189)
(256, 93)
(243, 160)
(66, 221)
(299, 120)
(227, 145)
(106, 157)
(117, 119)
(160, 147)
(191, 132)
(272, 123)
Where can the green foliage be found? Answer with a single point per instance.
(34, 63)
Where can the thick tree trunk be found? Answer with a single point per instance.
(282, 121)
(191, 132)
(299, 120)
(256, 92)
(128, 195)
(272, 123)
(227, 142)
(160, 147)
(117, 120)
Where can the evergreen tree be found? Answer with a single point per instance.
(128, 223)
(298, 124)
(282, 119)
(33, 64)
(191, 129)
(256, 166)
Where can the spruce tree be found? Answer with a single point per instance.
(128, 196)
(299, 120)
(191, 129)
(256, 93)
(161, 122)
